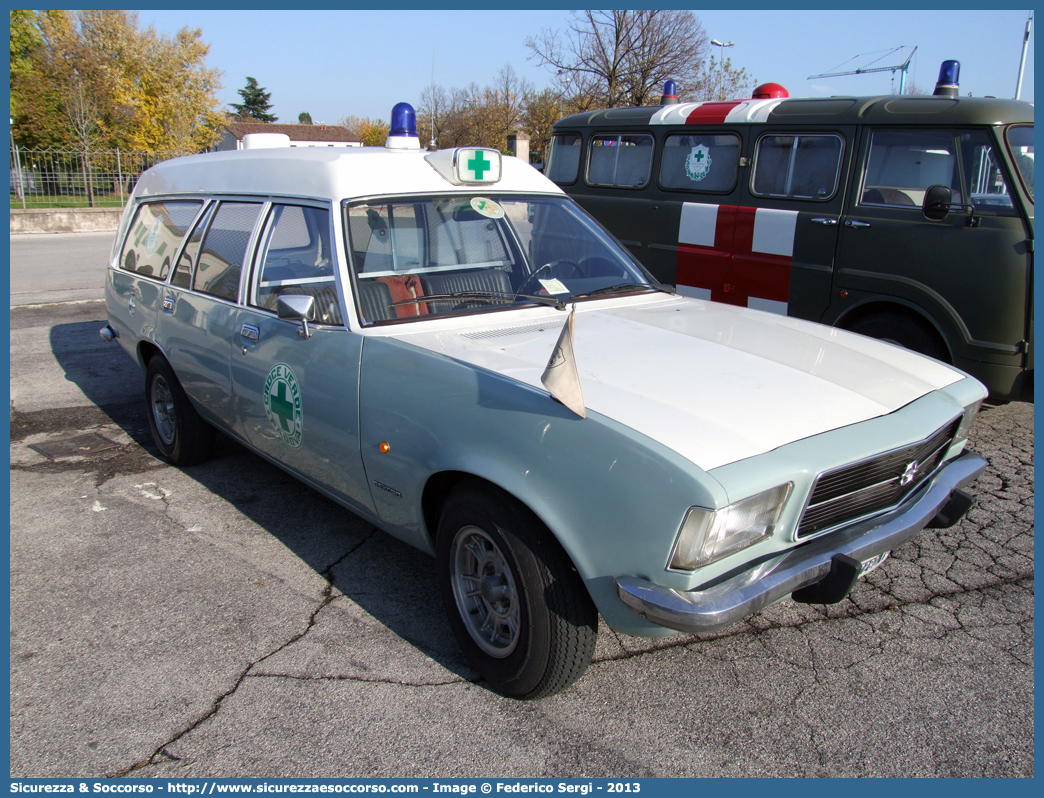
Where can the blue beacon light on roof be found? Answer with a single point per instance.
(403, 132)
(949, 78)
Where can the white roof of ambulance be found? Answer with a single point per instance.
(324, 172)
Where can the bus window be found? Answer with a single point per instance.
(904, 163)
(700, 163)
(1020, 140)
(799, 166)
(621, 161)
(987, 188)
(564, 165)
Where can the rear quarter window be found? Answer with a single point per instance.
(708, 163)
(155, 236)
(564, 165)
(797, 166)
(224, 250)
(620, 160)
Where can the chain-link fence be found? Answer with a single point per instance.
(71, 179)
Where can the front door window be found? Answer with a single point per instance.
(904, 163)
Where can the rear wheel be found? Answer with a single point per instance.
(904, 330)
(183, 438)
(517, 606)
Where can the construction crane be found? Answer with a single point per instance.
(900, 68)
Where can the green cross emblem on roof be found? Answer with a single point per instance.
(479, 164)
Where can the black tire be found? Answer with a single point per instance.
(905, 330)
(182, 437)
(527, 578)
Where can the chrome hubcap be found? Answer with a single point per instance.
(485, 592)
(163, 410)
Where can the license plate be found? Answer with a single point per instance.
(872, 563)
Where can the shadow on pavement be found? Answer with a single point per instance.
(393, 582)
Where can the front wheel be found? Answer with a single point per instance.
(517, 606)
(183, 438)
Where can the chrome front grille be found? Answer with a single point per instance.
(871, 486)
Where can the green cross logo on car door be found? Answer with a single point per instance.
(283, 404)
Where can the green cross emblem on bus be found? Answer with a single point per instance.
(479, 164)
(698, 163)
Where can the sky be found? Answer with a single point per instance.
(334, 64)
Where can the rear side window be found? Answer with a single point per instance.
(182, 276)
(224, 249)
(800, 166)
(297, 260)
(904, 163)
(700, 163)
(620, 160)
(564, 165)
(155, 235)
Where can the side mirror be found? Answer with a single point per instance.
(297, 307)
(937, 201)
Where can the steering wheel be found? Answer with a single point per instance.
(599, 266)
(552, 270)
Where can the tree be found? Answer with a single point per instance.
(543, 109)
(371, 132)
(304, 118)
(432, 114)
(615, 58)
(474, 115)
(255, 103)
(912, 88)
(91, 79)
(721, 82)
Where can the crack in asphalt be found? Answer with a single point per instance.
(347, 678)
(938, 557)
(745, 628)
(325, 597)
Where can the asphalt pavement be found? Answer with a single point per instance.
(225, 620)
(56, 267)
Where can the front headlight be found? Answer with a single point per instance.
(706, 536)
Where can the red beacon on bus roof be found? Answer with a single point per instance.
(769, 91)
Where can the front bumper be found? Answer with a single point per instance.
(735, 598)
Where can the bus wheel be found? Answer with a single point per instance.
(905, 330)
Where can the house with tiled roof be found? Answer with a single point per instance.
(300, 135)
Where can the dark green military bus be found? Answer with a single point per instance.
(907, 218)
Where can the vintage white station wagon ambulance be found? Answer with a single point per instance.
(449, 347)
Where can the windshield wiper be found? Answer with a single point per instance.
(480, 296)
(620, 288)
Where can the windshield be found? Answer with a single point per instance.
(1020, 141)
(435, 256)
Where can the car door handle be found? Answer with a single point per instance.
(825, 220)
(131, 305)
(854, 223)
(250, 332)
(168, 305)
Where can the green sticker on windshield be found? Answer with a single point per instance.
(487, 207)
